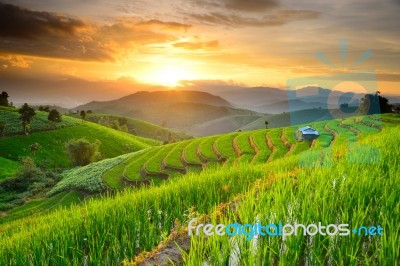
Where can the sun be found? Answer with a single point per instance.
(169, 75)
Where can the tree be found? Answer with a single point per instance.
(34, 148)
(81, 151)
(54, 116)
(4, 99)
(26, 115)
(374, 104)
(122, 121)
(266, 124)
(2, 128)
(82, 115)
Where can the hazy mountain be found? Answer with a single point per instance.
(68, 92)
(174, 109)
(273, 101)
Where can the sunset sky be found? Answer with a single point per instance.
(250, 43)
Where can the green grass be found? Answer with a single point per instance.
(206, 148)
(140, 127)
(52, 152)
(114, 222)
(345, 135)
(358, 194)
(190, 152)
(245, 147)
(298, 146)
(112, 176)
(173, 158)
(153, 164)
(41, 206)
(39, 123)
(325, 138)
(261, 142)
(109, 230)
(224, 145)
(281, 149)
(132, 170)
(7, 168)
(359, 127)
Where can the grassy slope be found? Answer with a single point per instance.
(39, 123)
(142, 128)
(7, 167)
(135, 220)
(41, 206)
(52, 151)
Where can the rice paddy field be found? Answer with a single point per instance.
(348, 175)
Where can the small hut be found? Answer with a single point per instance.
(307, 133)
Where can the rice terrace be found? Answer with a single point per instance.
(199, 133)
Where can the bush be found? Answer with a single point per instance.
(27, 175)
(82, 152)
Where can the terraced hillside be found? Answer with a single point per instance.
(157, 164)
(143, 226)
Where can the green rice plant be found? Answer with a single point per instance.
(243, 143)
(354, 194)
(110, 230)
(325, 138)
(359, 127)
(224, 145)
(344, 133)
(173, 158)
(206, 148)
(133, 170)
(41, 206)
(112, 177)
(281, 149)
(259, 138)
(297, 146)
(191, 151)
(154, 163)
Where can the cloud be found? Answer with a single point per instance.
(37, 33)
(13, 61)
(275, 18)
(18, 61)
(240, 5)
(45, 34)
(391, 77)
(212, 45)
(166, 25)
(22, 23)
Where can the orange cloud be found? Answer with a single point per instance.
(275, 18)
(212, 45)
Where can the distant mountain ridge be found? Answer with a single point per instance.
(175, 109)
